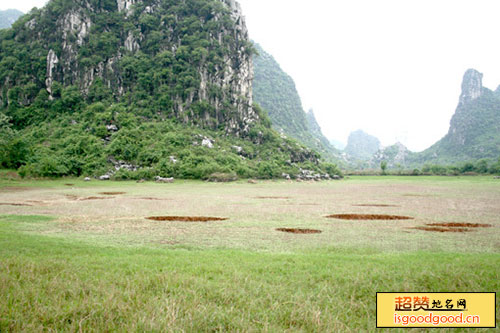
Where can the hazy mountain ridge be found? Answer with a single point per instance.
(8, 17)
(361, 145)
(474, 134)
(275, 91)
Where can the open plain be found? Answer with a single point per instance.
(271, 256)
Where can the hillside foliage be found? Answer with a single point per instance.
(143, 108)
(275, 91)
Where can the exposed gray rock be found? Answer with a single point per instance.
(125, 5)
(238, 149)
(52, 61)
(159, 179)
(285, 176)
(112, 128)
(207, 143)
(309, 175)
(123, 165)
(131, 43)
(472, 86)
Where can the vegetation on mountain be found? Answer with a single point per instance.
(9, 16)
(137, 90)
(275, 91)
(474, 129)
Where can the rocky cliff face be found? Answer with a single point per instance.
(87, 42)
(472, 87)
(474, 128)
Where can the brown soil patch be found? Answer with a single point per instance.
(69, 184)
(273, 198)
(14, 204)
(76, 198)
(299, 231)
(442, 229)
(153, 199)
(16, 189)
(375, 205)
(186, 218)
(416, 195)
(112, 193)
(95, 198)
(368, 217)
(460, 225)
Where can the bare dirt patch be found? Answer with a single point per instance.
(69, 184)
(460, 225)
(277, 198)
(95, 198)
(375, 205)
(14, 204)
(358, 217)
(76, 198)
(441, 229)
(186, 218)
(153, 199)
(111, 193)
(299, 231)
(416, 195)
(17, 189)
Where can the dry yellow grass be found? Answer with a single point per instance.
(254, 213)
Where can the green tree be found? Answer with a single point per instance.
(383, 167)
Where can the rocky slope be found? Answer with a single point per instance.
(141, 83)
(8, 17)
(275, 91)
(474, 128)
(208, 77)
(396, 156)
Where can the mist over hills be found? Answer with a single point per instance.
(474, 131)
(8, 17)
(474, 134)
(275, 91)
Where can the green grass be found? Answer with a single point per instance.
(98, 273)
(57, 284)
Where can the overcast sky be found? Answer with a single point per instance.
(390, 67)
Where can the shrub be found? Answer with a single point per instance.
(220, 177)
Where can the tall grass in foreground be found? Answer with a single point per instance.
(53, 284)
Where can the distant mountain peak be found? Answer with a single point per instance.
(8, 17)
(361, 145)
(472, 86)
(474, 128)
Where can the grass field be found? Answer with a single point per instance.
(74, 256)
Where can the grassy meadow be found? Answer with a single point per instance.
(81, 256)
